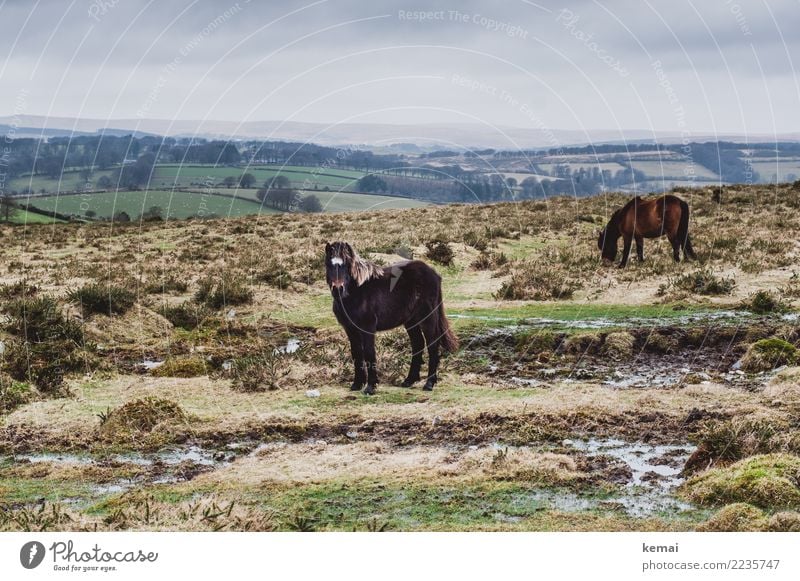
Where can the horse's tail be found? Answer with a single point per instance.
(447, 339)
(683, 231)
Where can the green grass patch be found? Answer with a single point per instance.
(175, 205)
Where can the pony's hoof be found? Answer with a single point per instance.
(428, 387)
(356, 387)
(370, 390)
(409, 382)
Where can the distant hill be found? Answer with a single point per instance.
(456, 135)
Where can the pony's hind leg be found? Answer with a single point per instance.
(417, 346)
(688, 251)
(429, 330)
(676, 249)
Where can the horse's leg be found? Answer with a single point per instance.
(429, 331)
(368, 340)
(676, 248)
(688, 251)
(639, 248)
(626, 250)
(357, 351)
(417, 345)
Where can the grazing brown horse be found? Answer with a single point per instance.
(651, 218)
(368, 298)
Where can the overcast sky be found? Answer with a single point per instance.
(701, 66)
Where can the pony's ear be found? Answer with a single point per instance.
(328, 248)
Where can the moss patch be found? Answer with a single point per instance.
(146, 422)
(768, 354)
(767, 481)
(181, 367)
(619, 345)
(736, 518)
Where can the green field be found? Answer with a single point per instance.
(168, 176)
(348, 201)
(673, 169)
(70, 181)
(337, 201)
(784, 170)
(176, 204)
(309, 177)
(24, 217)
(181, 205)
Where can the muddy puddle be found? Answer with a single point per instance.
(696, 318)
(648, 476)
(644, 479)
(166, 466)
(692, 349)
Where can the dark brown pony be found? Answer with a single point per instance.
(651, 218)
(368, 298)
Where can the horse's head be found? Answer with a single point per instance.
(607, 244)
(339, 258)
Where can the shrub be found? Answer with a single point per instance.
(170, 284)
(768, 354)
(705, 282)
(13, 393)
(440, 251)
(274, 274)
(47, 346)
(19, 289)
(40, 319)
(102, 298)
(489, 260)
(476, 240)
(261, 372)
(763, 302)
(538, 282)
(44, 364)
(186, 315)
(217, 293)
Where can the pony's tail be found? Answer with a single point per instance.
(683, 231)
(447, 339)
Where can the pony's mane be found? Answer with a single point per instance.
(363, 270)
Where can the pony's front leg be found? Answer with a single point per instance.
(357, 351)
(626, 250)
(368, 340)
(639, 248)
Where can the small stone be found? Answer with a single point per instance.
(312, 393)
(352, 434)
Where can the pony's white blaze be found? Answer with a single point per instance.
(337, 261)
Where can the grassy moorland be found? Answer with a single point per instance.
(191, 376)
